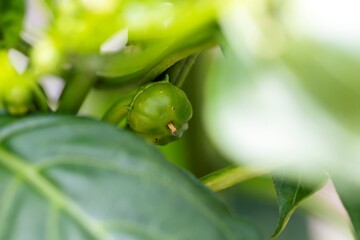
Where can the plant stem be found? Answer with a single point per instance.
(118, 110)
(229, 176)
(179, 72)
(41, 99)
(75, 92)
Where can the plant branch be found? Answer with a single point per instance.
(75, 92)
(230, 176)
(179, 72)
(40, 99)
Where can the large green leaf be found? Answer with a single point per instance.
(64, 177)
(290, 192)
(138, 64)
(11, 21)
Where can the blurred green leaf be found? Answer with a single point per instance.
(65, 177)
(299, 105)
(139, 63)
(330, 75)
(11, 22)
(290, 192)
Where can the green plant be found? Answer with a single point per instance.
(269, 98)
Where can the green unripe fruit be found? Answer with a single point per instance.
(160, 112)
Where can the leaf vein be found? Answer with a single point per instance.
(17, 165)
(116, 168)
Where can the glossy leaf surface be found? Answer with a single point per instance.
(65, 177)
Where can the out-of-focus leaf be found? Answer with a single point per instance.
(137, 64)
(258, 114)
(166, 32)
(330, 76)
(64, 177)
(290, 192)
(279, 98)
(11, 22)
(5, 119)
(154, 45)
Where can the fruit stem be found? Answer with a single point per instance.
(118, 111)
(179, 72)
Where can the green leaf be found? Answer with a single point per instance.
(11, 22)
(349, 195)
(290, 192)
(328, 74)
(64, 177)
(138, 64)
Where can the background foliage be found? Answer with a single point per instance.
(274, 88)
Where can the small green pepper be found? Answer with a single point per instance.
(160, 112)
